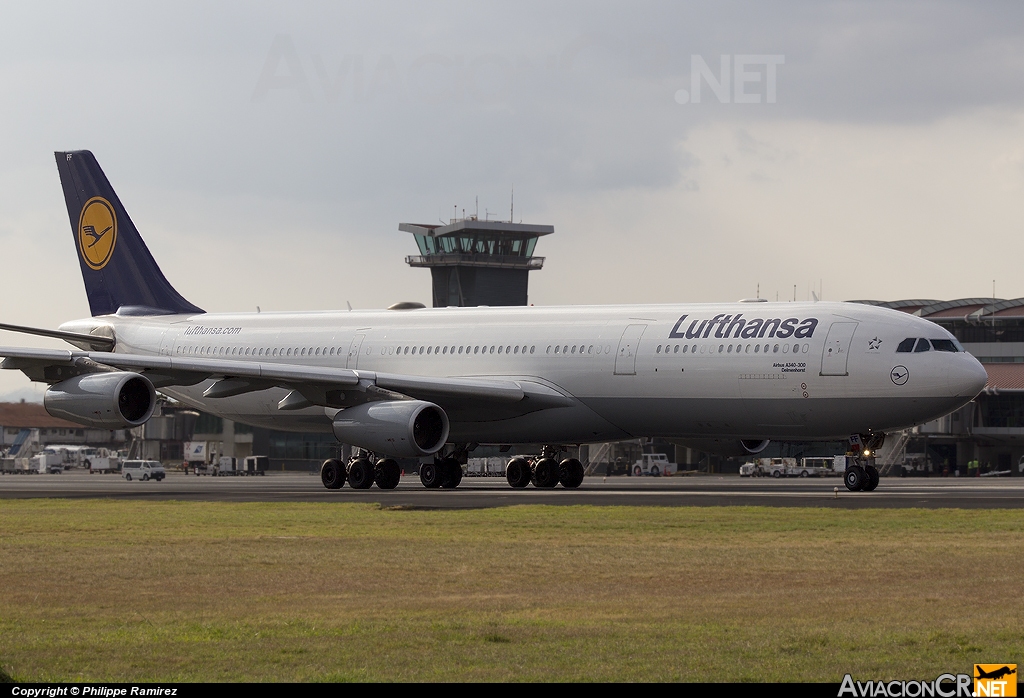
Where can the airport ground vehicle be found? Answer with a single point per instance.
(103, 464)
(255, 465)
(819, 466)
(430, 383)
(811, 466)
(142, 470)
(654, 464)
(16, 465)
(48, 462)
(493, 466)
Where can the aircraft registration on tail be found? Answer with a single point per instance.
(431, 383)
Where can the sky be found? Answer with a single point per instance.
(684, 152)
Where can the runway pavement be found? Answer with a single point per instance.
(473, 493)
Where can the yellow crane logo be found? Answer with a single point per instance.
(97, 232)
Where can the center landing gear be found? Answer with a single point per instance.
(361, 473)
(445, 471)
(545, 471)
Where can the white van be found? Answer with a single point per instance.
(142, 470)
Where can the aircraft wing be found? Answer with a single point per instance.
(310, 385)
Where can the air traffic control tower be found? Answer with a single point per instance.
(474, 262)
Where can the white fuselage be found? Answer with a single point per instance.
(739, 370)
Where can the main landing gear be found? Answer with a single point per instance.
(364, 470)
(544, 472)
(361, 473)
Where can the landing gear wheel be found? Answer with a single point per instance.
(854, 477)
(871, 481)
(545, 473)
(517, 472)
(332, 474)
(570, 473)
(388, 474)
(360, 474)
(452, 469)
(431, 474)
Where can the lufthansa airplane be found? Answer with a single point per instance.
(433, 383)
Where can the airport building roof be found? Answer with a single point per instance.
(31, 415)
(1005, 377)
(967, 309)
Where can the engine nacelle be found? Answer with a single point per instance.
(726, 447)
(754, 445)
(116, 400)
(400, 428)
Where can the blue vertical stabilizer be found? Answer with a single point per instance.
(117, 267)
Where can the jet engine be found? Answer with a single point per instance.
(400, 428)
(726, 447)
(116, 400)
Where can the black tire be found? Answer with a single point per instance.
(452, 470)
(431, 474)
(804, 473)
(128, 477)
(517, 472)
(854, 478)
(570, 473)
(388, 475)
(545, 473)
(360, 474)
(776, 473)
(332, 474)
(655, 471)
(871, 479)
(145, 478)
(87, 463)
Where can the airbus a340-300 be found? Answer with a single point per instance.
(430, 383)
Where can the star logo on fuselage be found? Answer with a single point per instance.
(874, 344)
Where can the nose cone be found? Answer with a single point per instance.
(967, 378)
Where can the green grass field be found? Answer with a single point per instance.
(163, 591)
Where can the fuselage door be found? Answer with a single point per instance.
(353, 351)
(837, 348)
(625, 359)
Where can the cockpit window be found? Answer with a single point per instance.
(922, 345)
(906, 346)
(943, 345)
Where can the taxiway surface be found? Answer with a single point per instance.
(474, 493)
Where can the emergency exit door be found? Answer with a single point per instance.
(837, 349)
(625, 359)
(353, 351)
